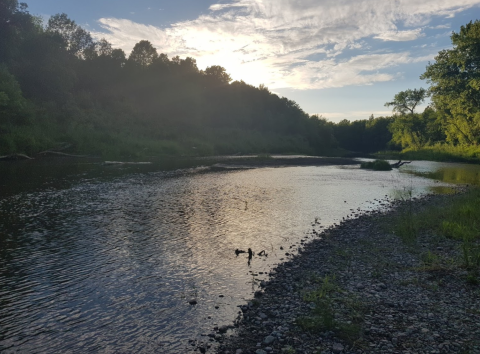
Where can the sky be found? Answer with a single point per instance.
(342, 59)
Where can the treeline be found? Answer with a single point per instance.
(59, 87)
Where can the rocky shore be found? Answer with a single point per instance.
(358, 288)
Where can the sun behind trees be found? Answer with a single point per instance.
(59, 85)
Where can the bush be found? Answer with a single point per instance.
(377, 165)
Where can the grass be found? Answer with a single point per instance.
(438, 152)
(377, 165)
(458, 220)
(322, 317)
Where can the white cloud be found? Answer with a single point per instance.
(440, 27)
(401, 36)
(273, 41)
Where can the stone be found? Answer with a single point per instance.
(269, 340)
(337, 348)
(192, 302)
(223, 329)
(260, 351)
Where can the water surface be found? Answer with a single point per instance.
(109, 264)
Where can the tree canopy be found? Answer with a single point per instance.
(455, 85)
(406, 101)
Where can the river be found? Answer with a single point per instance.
(109, 262)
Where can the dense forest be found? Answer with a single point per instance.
(61, 89)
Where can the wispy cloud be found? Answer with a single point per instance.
(401, 36)
(298, 44)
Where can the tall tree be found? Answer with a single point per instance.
(406, 101)
(455, 85)
(143, 54)
(75, 38)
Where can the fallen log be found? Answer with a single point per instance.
(15, 157)
(399, 163)
(58, 153)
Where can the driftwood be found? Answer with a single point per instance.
(58, 153)
(15, 157)
(399, 163)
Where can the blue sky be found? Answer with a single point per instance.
(342, 59)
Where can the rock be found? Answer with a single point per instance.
(337, 348)
(192, 302)
(239, 351)
(269, 340)
(260, 351)
(223, 329)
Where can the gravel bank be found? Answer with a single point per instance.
(360, 289)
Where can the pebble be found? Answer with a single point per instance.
(337, 348)
(269, 340)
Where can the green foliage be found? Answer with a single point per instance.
(365, 136)
(14, 108)
(414, 131)
(377, 165)
(455, 88)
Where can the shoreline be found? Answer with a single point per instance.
(359, 289)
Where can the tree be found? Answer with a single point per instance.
(143, 54)
(74, 37)
(455, 85)
(14, 108)
(218, 74)
(407, 101)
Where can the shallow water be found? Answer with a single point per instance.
(109, 264)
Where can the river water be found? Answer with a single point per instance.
(109, 264)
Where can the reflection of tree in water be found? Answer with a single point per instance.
(455, 174)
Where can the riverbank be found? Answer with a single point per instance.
(360, 288)
(440, 153)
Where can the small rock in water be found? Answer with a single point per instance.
(192, 302)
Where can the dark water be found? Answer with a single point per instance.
(108, 263)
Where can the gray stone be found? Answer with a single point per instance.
(223, 329)
(337, 348)
(260, 351)
(269, 339)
